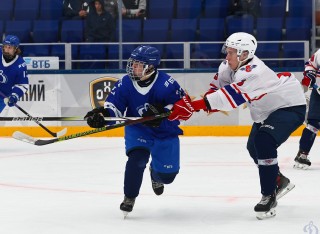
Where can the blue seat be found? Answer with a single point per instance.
(188, 9)
(45, 31)
(298, 28)
(211, 29)
(36, 50)
(244, 23)
(51, 9)
(58, 50)
(269, 51)
(163, 9)
(20, 28)
(1, 28)
(131, 30)
(183, 29)
(26, 10)
(161, 49)
(6, 10)
(293, 50)
(216, 8)
(92, 52)
(155, 30)
(113, 53)
(72, 31)
(269, 29)
(206, 51)
(174, 51)
(300, 8)
(273, 8)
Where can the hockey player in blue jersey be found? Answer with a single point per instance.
(144, 91)
(13, 72)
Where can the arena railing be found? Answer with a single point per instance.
(189, 60)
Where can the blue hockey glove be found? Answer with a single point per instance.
(11, 100)
(95, 118)
(151, 111)
(309, 78)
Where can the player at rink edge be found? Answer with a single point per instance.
(14, 80)
(277, 106)
(144, 91)
(309, 133)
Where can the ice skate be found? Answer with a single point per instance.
(302, 161)
(156, 186)
(266, 207)
(283, 186)
(127, 205)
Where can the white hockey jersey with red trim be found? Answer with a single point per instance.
(262, 89)
(314, 64)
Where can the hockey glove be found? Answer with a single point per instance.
(95, 118)
(151, 111)
(211, 90)
(11, 100)
(309, 78)
(182, 109)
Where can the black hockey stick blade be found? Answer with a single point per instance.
(72, 118)
(29, 139)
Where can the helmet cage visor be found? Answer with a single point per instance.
(136, 69)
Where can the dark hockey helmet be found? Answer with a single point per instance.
(143, 62)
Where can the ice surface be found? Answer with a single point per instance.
(76, 187)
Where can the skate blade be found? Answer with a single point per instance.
(300, 166)
(125, 214)
(265, 215)
(287, 189)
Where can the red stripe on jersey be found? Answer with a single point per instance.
(247, 97)
(310, 65)
(228, 97)
(257, 98)
(213, 86)
(284, 74)
(239, 91)
(236, 88)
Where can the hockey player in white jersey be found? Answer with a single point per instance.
(310, 132)
(277, 106)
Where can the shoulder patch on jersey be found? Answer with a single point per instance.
(248, 68)
(22, 65)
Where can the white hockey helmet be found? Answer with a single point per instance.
(242, 41)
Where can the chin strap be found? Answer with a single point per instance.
(241, 63)
(147, 72)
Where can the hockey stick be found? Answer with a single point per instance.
(55, 134)
(26, 138)
(73, 118)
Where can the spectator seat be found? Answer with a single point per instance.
(45, 31)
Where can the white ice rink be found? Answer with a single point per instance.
(75, 187)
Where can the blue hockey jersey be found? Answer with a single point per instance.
(13, 76)
(127, 98)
